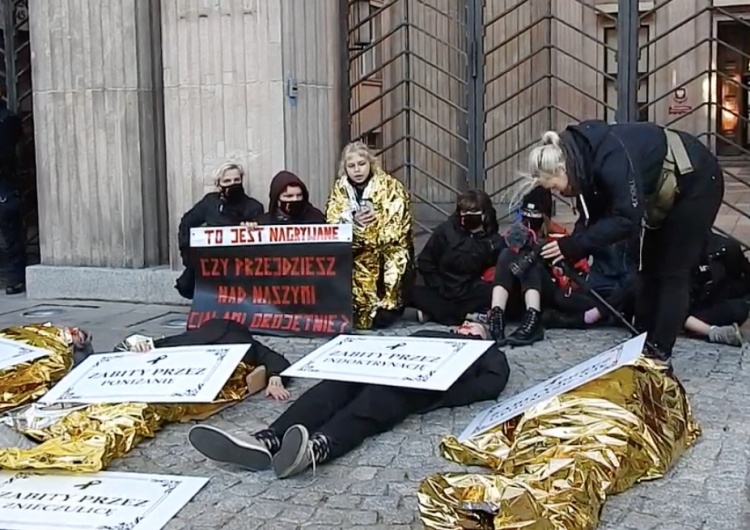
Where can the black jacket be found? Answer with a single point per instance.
(723, 272)
(212, 210)
(482, 381)
(453, 260)
(614, 166)
(219, 331)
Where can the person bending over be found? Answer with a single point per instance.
(629, 177)
(289, 202)
(379, 209)
(229, 206)
(332, 418)
(452, 262)
(220, 331)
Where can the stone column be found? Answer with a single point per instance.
(223, 97)
(96, 111)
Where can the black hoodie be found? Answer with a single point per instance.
(611, 168)
(453, 260)
(309, 213)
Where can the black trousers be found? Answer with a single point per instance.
(349, 413)
(12, 231)
(536, 278)
(670, 253)
(722, 312)
(451, 312)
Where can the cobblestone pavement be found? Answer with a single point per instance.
(374, 486)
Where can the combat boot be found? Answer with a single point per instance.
(496, 323)
(530, 331)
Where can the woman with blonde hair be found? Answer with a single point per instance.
(378, 207)
(228, 206)
(628, 177)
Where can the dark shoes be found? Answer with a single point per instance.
(552, 319)
(496, 323)
(15, 288)
(385, 318)
(530, 331)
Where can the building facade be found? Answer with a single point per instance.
(136, 102)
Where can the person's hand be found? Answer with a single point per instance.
(365, 216)
(141, 346)
(551, 251)
(275, 389)
(250, 225)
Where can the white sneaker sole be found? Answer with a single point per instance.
(219, 446)
(292, 453)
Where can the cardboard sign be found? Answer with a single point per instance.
(189, 374)
(14, 352)
(100, 501)
(280, 280)
(604, 363)
(409, 362)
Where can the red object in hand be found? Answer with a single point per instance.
(489, 275)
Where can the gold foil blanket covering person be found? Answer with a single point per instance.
(87, 439)
(556, 464)
(381, 249)
(27, 382)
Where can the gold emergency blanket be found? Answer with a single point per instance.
(27, 382)
(556, 464)
(382, 249)
(87, 439)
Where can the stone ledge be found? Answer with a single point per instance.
(145, 286)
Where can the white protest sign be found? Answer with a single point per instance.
(410, 362)
(13, 352)
(604, 363)
(99, 501)
(189, 374)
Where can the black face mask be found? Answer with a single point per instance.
(233, 192)
(471, 221)
(292, 208)
(534, 223)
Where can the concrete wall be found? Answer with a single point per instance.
(223, 97)
(96, 130)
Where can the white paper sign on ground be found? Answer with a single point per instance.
(13, 352)
(99, 501)
(410, 362)
(189, 374)
(604, 363)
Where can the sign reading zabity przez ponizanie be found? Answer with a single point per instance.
(280, 280)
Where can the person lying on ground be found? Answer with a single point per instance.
(220, 331)
(452, 262)
(229, 206)
(719, 297)
(332, 418)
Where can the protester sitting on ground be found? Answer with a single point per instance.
(333, 417)
(220, 331)
(519, 287)
(230, 206)
(289, 202)
(720, 293)
(379, 209)
(453, 260)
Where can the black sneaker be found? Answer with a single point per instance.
(299, 451)
(553, 319)
(496, 323)
(16, 288)
(530, 331)
(219, 446)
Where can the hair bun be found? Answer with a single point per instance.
(551, 138)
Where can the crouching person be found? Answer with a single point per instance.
(332, 418)
(220, 331)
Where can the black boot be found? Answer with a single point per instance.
(552, 319)
(530, 331)
(496, 321)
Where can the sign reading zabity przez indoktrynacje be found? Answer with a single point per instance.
(281, 280)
